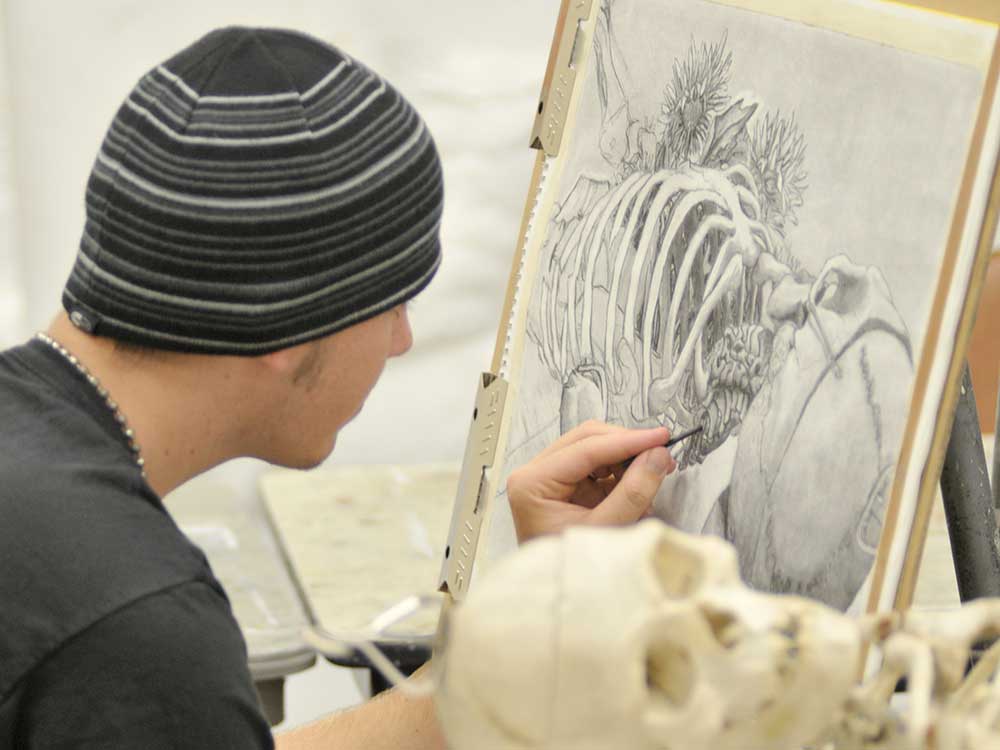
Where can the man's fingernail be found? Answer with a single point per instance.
(659, 461)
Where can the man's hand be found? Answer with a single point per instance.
(579, 479)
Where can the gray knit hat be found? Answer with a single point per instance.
(257, 190)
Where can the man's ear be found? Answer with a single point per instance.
(294, 363)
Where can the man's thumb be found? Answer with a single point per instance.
(630, 500)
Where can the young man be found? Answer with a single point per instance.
(261, 210)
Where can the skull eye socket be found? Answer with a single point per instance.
(725, 628)
(670, 673)
(678, 570)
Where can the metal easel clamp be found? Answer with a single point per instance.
(557, 88)
(470, 502)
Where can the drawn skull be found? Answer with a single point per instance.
(637, 638)
(842, 352)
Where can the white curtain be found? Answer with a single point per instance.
(12, 297)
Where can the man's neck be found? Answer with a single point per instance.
(180, 407)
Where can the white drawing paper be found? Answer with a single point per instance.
(747, 235)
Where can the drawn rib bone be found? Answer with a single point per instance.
(563, 346)
(746, 196)
(550, 305)
(740, 170)
(680, 214)
(656, 281)
(716, 222)
(544, 341)
(598, 216)
(662, 390)
(682, 210)
(669, 182)
(563, 252)
(629, 189)
(765, 270)
(699, 373)
(555, 276)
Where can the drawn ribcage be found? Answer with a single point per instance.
(661, 283)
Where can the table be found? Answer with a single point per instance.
(361, 539)
(235, 535)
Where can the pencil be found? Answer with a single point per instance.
(684, 436)
(672, 442)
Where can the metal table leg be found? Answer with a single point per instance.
(969, 503)
(996, 456)
(272, 699)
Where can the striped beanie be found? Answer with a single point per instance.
(258, 190)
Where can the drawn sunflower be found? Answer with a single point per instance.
(692, 100)
(777, 153)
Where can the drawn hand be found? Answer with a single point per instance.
(579, 479)
(842, 285)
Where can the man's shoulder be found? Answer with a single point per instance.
(75, 545)
(67, 515)
(47, 418)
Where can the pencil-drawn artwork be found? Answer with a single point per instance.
(677, 284)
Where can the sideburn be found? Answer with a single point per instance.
(310, 368)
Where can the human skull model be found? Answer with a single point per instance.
(638, 638)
